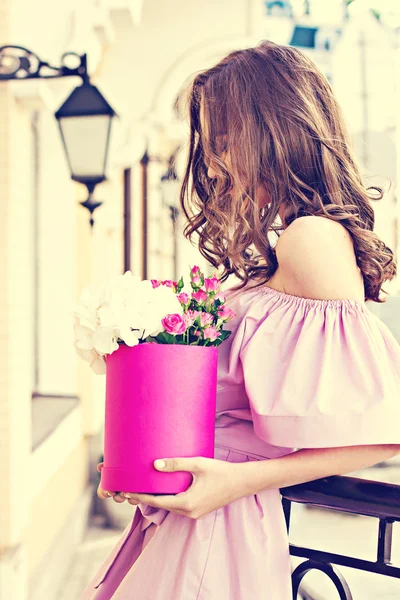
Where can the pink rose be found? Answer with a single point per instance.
(183, 298)
(192, 315)
(174, 324)
(155, 283)
(195, 270)
(212, 285)
(219, 296)
(205, 319)
(211, 334)
(225, 313)
(200, 296)
(188, 319)
(196, 280)
(167, 283)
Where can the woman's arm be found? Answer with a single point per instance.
(217, 483)
(312, 463)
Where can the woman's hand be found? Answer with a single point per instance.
(104, 494)
(215, 484)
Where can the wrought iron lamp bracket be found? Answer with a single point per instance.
(19, 63)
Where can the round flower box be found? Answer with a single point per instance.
(160, 403)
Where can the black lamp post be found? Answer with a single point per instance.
(84, 119)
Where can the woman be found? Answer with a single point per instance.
(309, 380)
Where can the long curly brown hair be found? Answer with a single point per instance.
(276, 113)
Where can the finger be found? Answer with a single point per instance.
(119, 498)
(192, 464)
(100, 466)
(133, 501)
(168, 502)
(104, 494)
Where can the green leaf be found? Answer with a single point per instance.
(165, 338)
(224, 334)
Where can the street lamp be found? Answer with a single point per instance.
(84, 119)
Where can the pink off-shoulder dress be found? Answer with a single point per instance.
(295, 373)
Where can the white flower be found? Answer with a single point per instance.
(104, 340)
(83, 336)
(128, 336)
(163, 301)
(96, 361)
(124, 308)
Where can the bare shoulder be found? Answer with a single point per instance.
(317, 260)
(317, 227)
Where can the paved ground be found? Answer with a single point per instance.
(322, 529)
(97, 544)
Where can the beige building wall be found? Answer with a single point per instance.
(26, 475)
(47, 254)
(16, 334)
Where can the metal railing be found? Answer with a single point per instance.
(348, 495)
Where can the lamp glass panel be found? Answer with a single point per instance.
(86, 140)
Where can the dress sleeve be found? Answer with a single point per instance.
(320, 373)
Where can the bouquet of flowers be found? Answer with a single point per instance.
(158, 346)
(132, 311)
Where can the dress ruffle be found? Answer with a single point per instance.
(318, 373)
